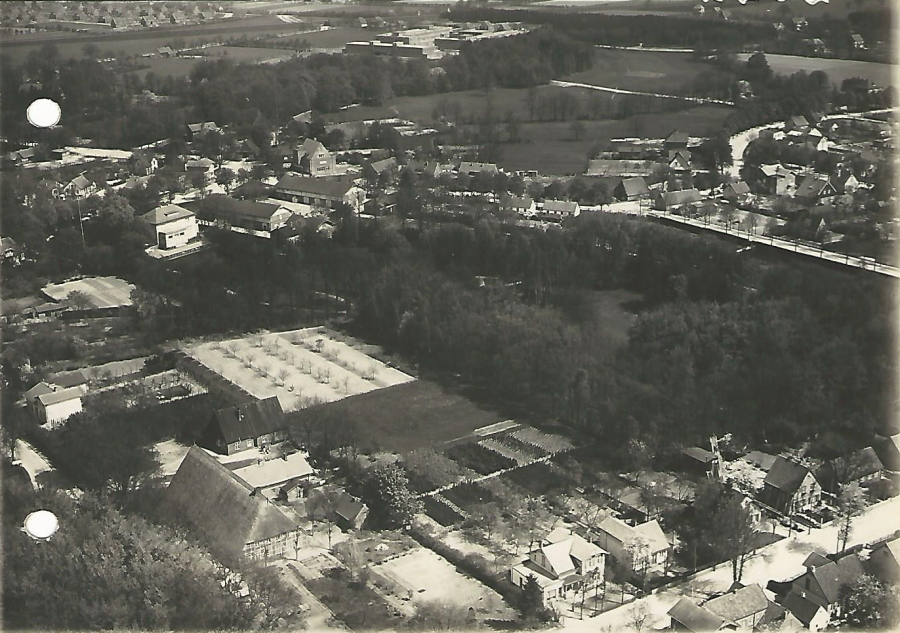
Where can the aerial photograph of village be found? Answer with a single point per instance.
(450, 315)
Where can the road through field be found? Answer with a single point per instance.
(619, 91)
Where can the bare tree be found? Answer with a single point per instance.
(283, 375)
(851, 502)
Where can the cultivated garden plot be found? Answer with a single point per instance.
(300, 367)
(427, 577)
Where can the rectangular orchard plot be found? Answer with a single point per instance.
(299, 367)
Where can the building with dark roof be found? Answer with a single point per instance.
(888, 451)
(861, 467)
(743, 608)
(632, 189)
(247, 214)
(671, 200)
(238, 428)
(688, 616)
(790, 487)
(350, 513)
(327, 193)
(821, 586)
(231, 517)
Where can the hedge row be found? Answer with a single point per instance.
(473, 564)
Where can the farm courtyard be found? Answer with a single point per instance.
(299, 367)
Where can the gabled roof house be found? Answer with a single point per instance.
(230, 516)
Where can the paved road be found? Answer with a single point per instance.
(619, 91)
(780, 561)
(805, 248)
(741, 140)
(32, 461)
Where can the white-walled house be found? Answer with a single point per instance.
(54, 408)
(173, 225)
(619, 539)
(561, 564)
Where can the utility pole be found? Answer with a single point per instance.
(80, 222)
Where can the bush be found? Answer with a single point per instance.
(441, 512)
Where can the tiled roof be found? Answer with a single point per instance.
(739, 604)
(166, 213)
(786, 475)
(292, 182)
(694, 617)
(250, 420)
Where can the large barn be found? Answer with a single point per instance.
(231, 517)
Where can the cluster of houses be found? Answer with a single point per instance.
(242, 508)
(114, 15)
(798, 490)
(810, 601)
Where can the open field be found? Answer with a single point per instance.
(837, 69)
(413, 415)
(148, 40)
(469, 103)
(249, 54)
(429, 577)
(334, 38)
(650, 71)
(102, 292)
(300, 368)
(551, 149)
(611, 312)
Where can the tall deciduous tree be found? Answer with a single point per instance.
(386, 492)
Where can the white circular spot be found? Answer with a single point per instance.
(41, 524)
(44, 113)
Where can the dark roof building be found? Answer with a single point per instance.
(241, 427)
(862, 466)
(632, 189)
(688, 616)
(322, 192)
(229, 515)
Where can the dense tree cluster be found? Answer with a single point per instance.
(104, 569)
(716, 331)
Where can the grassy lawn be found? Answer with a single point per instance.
(413, 415)
(332, 38)
(612, 314)
(471, 104)
(148, 40)
(837, 69)
(356, 605)
(649, 71)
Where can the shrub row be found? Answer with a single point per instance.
(478, 458)
(473, 564)
(441, 512)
